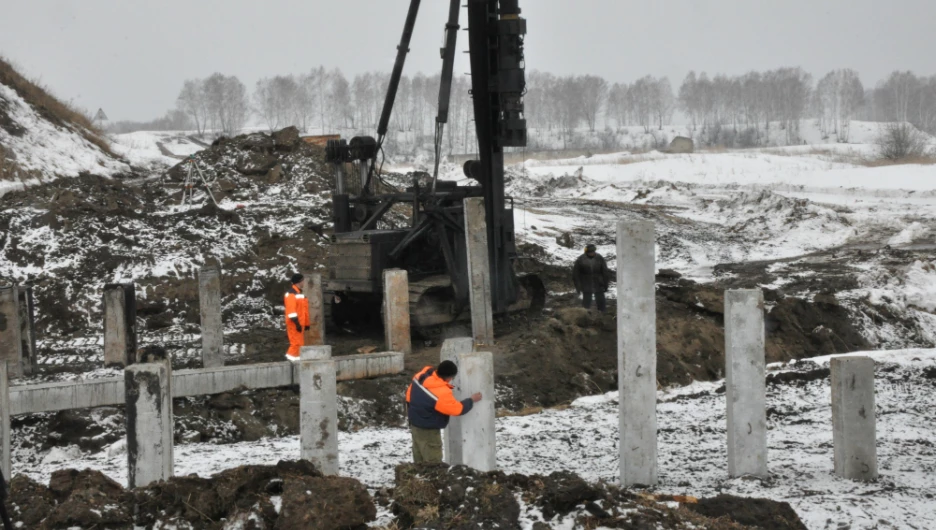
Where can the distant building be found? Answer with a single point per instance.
(681, 145)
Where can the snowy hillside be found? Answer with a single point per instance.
(43, 149)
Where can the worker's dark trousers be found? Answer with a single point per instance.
(599, 299)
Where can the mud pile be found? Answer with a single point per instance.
(244, 166)
(578, 349)
(71, 236)
(294, 495)
(289, 495)
(459, 497)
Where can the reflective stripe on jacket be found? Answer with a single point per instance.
(430, 401)
(297, 306)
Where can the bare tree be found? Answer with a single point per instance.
(362, 95)
(689, 99)
(617, 103)
(593, 91)
(315, 89)
(236, 108)
(339, 98)
(265, 103)
(662, 101)
(641, 101)
(906, 97)
(838, 96)
(214, 101)
(894, 95)
(192, 102)
(278, 101)
(567, 94)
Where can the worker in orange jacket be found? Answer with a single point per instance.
(429, 405)
(297, 317)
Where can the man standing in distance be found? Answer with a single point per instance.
(591, 276)
(429, 405)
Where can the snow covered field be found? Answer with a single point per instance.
(692, 455)
(725, 207)
(155, 150)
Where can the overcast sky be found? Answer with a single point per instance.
(131, 56)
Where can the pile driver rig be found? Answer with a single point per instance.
(433, 247)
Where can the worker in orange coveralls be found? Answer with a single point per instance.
(297, 317)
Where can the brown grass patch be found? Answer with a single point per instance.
(51, 108)
(918, 160)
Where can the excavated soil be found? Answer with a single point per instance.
(294, 496)
(436, 496)
(289, 495)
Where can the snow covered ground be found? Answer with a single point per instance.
(782, 205)
(692, 455)
(155, 150)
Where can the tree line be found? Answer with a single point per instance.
(736, 111)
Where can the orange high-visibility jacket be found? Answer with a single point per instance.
(297, 306)
(430, 401)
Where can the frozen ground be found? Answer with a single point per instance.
(692, 459)
(155, 150)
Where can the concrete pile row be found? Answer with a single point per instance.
(853, 420)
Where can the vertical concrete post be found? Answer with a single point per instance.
(6, 462)
(476, 374)
(637, 358)
(119, 325)
(27, 311)
(452, 435)
(854, 433)
(746, 391)
(149, 422)
(396, 315)
(11, 340)
(318, 414)
(312, 288)
(212, 329)
(479, 273)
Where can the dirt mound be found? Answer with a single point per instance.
(578, 348)
(295, 496)
(439, 496)
(71, 236)
(757, 513)
(268, 159)
(287, 496)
